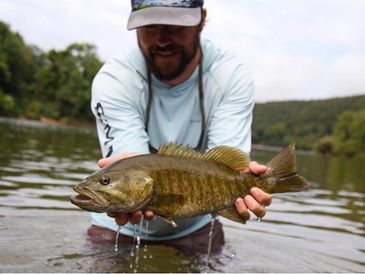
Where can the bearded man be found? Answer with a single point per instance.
(173, 87)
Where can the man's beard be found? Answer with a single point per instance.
(166, 70)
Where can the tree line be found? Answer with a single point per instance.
(332, 126)
(53, 84)
(56, 84)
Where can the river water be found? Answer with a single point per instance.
(321, 230)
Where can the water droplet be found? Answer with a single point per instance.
(134, 233)
(214, 217)
(134, 254)
(146, 227)
(116, 239)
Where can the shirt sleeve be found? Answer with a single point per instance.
(231, 121)
(116, 104)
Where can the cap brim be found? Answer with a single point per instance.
(164, 16)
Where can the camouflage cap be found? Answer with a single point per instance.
(165, 12)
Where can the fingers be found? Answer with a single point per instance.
(134, 217)
(148, 215)
(107, 161)
(120, 218)
(254, 206)
(256, 203)
(261, 197)
(242, 209)
(256, 168)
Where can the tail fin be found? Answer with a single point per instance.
(282, 172)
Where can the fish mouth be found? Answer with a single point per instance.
(88, 200)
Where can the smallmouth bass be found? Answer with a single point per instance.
(180, 182)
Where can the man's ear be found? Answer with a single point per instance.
(203, 19)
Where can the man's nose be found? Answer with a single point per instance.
(162, 37)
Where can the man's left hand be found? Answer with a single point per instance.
(257, 200)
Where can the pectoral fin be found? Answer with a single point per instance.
(232, 214)
(169, 221)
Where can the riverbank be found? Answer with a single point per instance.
(89, 125)
(49, 122)
(67, 122)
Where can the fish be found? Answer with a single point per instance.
(179, 182)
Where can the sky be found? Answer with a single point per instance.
(297, 49)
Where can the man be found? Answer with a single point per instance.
(174, 87)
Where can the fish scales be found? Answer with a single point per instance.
(219, 191)
(187, 185)
(202, 180)
(211, 185)
(177, 181)
(188, 188)
(205, 185)
(198, 192)
(167, 180)
(209, 189)
(225, 187)
(193, 176)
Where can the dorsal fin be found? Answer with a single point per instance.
(172, 149)
(228, 156)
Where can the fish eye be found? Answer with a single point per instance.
(104, 180)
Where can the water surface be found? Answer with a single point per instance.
(322, 230)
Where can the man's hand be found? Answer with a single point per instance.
(123, 218)
(257, 200)
(107, 161)
(134, 217)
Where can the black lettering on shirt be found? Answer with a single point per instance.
(107, 128)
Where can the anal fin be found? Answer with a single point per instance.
(232, 214)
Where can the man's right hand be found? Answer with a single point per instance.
(133, 217)
(123, 218)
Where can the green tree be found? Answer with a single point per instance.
(325, 145)
(64, 79)
(348, 136)
(349, 132)
(17, 71)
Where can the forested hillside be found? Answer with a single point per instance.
(301, 122)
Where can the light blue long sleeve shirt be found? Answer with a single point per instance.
(119, 100)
